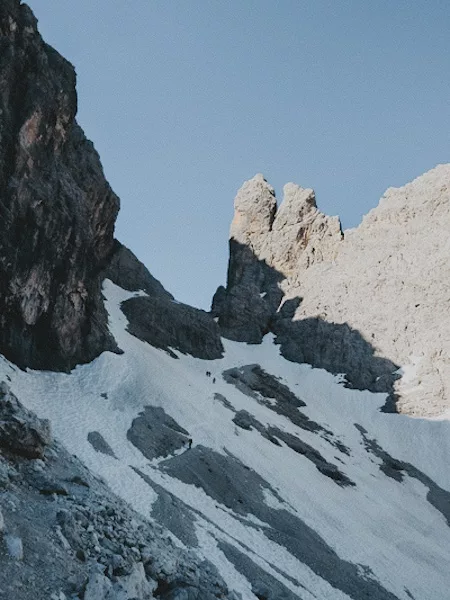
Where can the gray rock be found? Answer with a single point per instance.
(268, 390)
(156, 434)
(227, 480)
(4, 475)
(126, 271)
(397, 469)
(245, 420)
(221, 398)
(99, 443)
(135, 585)
(171, 512)
(14, 546)
(263, 585)
(270, 249)
(58, 211)
(98, 587)
(21, 432)
(337, 348)
(58, 596)
(265, 246)
(245, 308)
(168, 324)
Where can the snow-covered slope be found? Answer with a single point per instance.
(295, 487)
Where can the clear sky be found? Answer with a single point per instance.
(186, 99)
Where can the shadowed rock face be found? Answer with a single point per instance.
(168, 324)
(158, 318)
(126, 271)
(385, 280)
(270, 251)
(156, 434)
(266, 246)
(250, 307)
(99, 443)
(57, 211)
(335, 347)
(245, 308)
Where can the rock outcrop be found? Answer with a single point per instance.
(268, 247)
(363, 302)
(127, 271)
(21, 432)
(57, 211)
(155, 317)
(389, 281)
(57, 215)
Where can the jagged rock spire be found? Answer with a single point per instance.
(267, 245)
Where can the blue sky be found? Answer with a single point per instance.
(186, 99)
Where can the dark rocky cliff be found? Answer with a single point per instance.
(57, 211)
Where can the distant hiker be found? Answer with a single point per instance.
(208, 373)
(189, 443)
(214, 380)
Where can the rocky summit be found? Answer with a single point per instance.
(253, 452)
(377, 291)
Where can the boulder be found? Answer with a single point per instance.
(21, 431)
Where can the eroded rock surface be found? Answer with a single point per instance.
(21, 431)
(57, 211)
(225, 479)
(127, 271)
(364, 302)
(156, 434)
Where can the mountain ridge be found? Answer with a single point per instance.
(385, 278)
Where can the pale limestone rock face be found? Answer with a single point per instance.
(388, 279)
(293, 236)
(301, 234)
(254, 212)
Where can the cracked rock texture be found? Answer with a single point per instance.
(57, 211)
(382, 287)
(268, 246)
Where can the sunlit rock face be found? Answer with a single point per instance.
(389, 280)
(267, 246)
(57, 211)
(385, 280)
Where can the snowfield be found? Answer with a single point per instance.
(250, 504)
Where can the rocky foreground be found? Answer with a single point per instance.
(65, 535)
